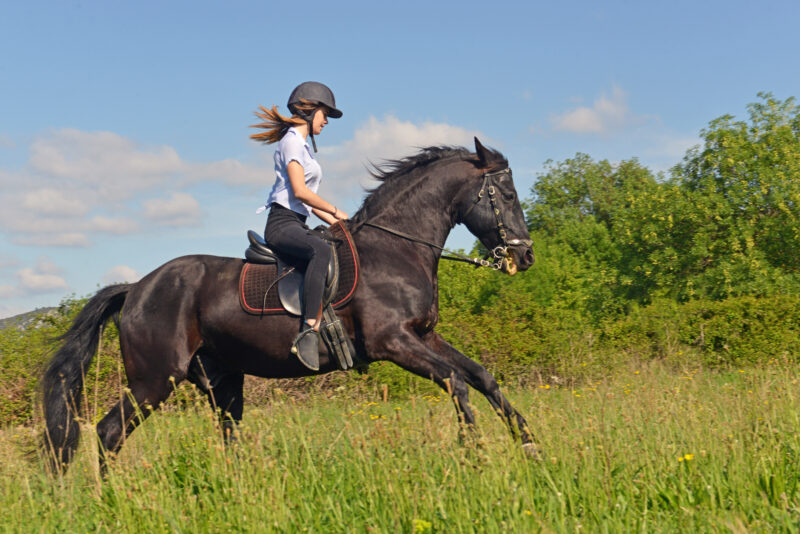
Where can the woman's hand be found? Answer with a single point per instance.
(340, 215)
(325, 216)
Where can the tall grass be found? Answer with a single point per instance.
(651, 449)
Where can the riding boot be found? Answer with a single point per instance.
(306, 347)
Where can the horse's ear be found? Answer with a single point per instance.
(483, 154)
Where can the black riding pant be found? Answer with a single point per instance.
(287, 234)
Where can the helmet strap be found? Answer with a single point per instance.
(310, 121)
(311, 133)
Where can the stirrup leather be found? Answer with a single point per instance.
(339, 345)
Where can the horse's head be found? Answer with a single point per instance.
(490, 208)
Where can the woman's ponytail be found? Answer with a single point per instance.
(276, 125)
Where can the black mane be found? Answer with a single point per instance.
(394, 174)
(391, 169)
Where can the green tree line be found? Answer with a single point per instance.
(701, 261)
(700, 265)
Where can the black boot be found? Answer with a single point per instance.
(306, 347)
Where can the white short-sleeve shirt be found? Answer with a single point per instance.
(293, 147)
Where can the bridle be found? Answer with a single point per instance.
(500, 252)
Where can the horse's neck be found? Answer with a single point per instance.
(424, 212)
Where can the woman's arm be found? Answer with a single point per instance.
(326, 217)
(321, 208)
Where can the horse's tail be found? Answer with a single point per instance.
(62, 382)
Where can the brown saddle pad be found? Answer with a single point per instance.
(258, 287)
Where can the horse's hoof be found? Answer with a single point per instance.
(532, 451)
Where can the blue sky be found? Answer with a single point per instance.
(124, 125)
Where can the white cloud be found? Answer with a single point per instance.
(387, 138)
(229, 171)
(8, 261)
(180, 209)
(67, 239)
(78, 184)
(606, 114)
(111, 225)
(52, 201)
(44, 277)
(7, 179)
(674, 147)
(102, 158)
(45, 265)
(7, 292)
(121, 167)
(581, 120)
(30, 221)
(36, 282)
(121, 273)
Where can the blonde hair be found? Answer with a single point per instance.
(276, 125)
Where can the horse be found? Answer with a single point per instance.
(189, 307)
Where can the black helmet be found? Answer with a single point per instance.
(317, 93)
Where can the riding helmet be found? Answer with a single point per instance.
(313, 92)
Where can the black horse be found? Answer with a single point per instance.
(189, 306)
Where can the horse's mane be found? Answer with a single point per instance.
(394, 175)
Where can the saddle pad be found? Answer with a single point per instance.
(258, 287)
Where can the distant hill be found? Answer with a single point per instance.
(24, 320)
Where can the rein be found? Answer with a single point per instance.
(500, 252)
(456, 256)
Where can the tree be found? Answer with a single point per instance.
(743, 187)
(578, 204)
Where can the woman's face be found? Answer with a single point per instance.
(320, 120)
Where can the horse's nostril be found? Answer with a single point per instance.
(529, 257)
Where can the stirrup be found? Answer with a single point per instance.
(306, 347)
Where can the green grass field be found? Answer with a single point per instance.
(651, 449)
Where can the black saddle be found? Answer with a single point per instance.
(291, 272)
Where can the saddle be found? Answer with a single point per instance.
(270, 284)
(291, 276)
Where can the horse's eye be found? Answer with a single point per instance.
(509, 196)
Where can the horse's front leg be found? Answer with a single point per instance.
(408, 351)
(227, 398)
(479, 378)
(224, 390)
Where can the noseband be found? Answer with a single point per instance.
(500, 252)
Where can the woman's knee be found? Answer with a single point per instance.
(322, 250)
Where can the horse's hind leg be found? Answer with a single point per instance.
(159, 331)
(153, 369)
(143, 398)
(479, 378)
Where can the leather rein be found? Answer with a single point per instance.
(500, 252)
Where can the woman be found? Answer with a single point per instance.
(294, 197)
